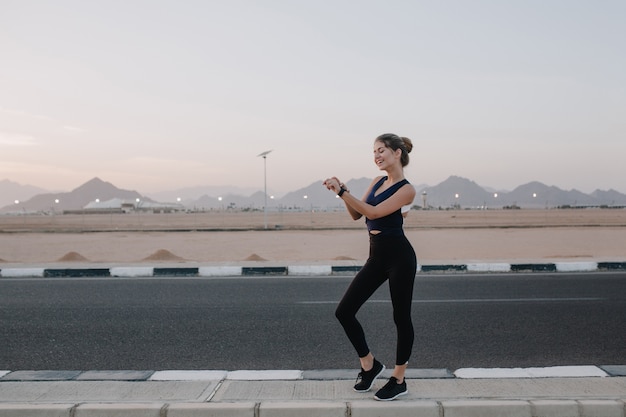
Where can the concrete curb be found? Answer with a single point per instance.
(452, 408)
(301, 270)
(296, 393)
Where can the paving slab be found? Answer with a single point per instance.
(300, 390)
(395, 408)
(212, 410)
(615, 370)
(474, 408)
(525, 388)
(427, 389)
(554, 408)
(114, 376)
(106, 391)
(119, 410)
(41, 375)
(303, 409)
(604, 408)
(35, 410)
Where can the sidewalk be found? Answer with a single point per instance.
(560, 391)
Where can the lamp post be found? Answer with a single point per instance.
(264, 155)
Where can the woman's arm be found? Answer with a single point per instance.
(357, 208)
(335, 185)
(405, 195)
(354, 213)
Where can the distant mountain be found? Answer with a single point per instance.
(73, 200)
(537, 195)
(610, 197)
(193, 193)
(457, 191)
(453, 192)
(11, 191)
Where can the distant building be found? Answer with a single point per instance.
(118, 205)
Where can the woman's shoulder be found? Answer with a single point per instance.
(408, 187)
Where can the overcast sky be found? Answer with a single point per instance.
(159, 95)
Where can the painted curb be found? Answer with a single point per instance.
(219, 271)
(270, 375)
(188, 376)
(132, 272)
(309, 270)
(22, 272)
(586, 371)
(302, 270)
(546, 372)
(485, 267)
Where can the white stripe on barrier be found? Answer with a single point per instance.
(309, 270)
(134, 271)
(22, 272)
(576, 266)
(485, 267)
(217, 271)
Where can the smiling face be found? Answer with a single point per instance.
(385, 157)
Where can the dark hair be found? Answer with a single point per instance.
(396, 142)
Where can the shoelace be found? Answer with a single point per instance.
(359, 377)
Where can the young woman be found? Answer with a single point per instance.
(391, 258)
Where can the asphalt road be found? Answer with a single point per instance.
(464, 320)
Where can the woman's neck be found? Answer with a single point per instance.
(395, 174)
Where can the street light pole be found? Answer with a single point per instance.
(264, 155)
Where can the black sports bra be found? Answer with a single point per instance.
(390, 225)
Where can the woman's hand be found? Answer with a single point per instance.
(333, 184)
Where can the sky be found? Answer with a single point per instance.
(156, 95)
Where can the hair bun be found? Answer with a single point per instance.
(407, 144)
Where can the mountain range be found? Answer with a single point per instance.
(453, 192)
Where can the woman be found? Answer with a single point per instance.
(391, 258)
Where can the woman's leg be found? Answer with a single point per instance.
(401, 282)
(364, 284)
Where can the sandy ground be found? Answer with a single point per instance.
(309, 237)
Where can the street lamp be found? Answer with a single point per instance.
(264, 155)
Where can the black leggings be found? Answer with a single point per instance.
(391, 258)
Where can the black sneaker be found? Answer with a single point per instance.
(391, 390)
(366, 379)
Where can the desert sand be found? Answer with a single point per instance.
(217, 237)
